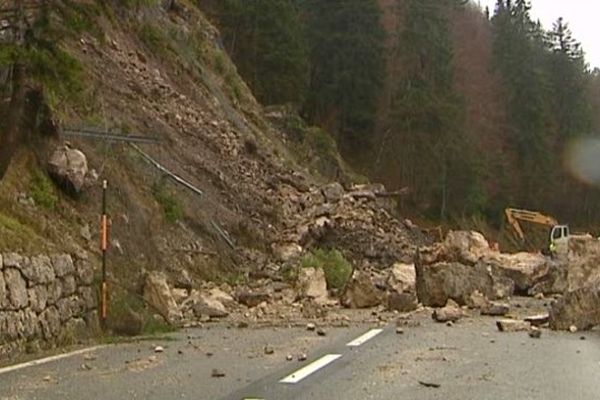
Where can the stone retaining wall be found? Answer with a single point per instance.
(45, 300)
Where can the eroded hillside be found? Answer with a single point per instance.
(157, 70)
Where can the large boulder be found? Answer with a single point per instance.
(583, 260)
(402, 302)
(68, 167)
(580, 308)
(361, 292)
(524, 269)
(204, 305)
(466, 247)
(437, 283)
(158, 295)
(312, 284)
(402, 278)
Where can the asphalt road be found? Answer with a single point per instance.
(470, 360)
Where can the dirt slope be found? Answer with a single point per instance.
(163, 74)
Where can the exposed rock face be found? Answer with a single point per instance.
(579, 308)
(361, 293)
(158, 294)
(312, 284)
(69, 168)
(524, 269)
(402, 278)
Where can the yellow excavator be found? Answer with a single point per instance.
(558, 242)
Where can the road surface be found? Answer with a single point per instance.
(470, 360)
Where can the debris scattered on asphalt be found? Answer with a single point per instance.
(450, 313)
(89, 357)
(573, 329)
(399, 331)
(310, 326)
(217, 373)
(582, 338)
(302, 357)
(321, 332)
(159, 349)
(269, 350)
(538, 320)
(289, 357)
(535, 333)
(495, 309)
(512, 325)
(430, 384)
(85, 367)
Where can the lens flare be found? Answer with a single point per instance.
(582, 159)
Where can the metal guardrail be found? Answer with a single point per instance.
(101, 135)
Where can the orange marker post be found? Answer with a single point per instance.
(104, 248)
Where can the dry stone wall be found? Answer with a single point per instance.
(45, 300)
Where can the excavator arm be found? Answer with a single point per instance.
(514, 215)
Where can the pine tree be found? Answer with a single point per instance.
(346, 58)
(267, 41)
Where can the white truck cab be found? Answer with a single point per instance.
(559, 240)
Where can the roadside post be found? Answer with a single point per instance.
(103, 248)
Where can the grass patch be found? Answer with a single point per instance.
(42, 190)
(154, 39)
(171, 206)
(337, 269)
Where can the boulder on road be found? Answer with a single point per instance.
(158, 294)
(401, 302)
(437, 283)
(512, 325)
(361, 292)
(68, 167)
(495, 309)
(402, 278)
(205, 305)
(466, 247)
(450, 313)
(524, 269)
(579, 308)
(312, 284)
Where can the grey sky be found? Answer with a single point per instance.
(582, 16)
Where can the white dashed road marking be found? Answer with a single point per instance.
(310, 368)
(47, 359)
(364, 338)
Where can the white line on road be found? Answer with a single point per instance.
(48, 359)
(310, 368)
(364, 338)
